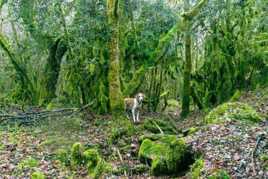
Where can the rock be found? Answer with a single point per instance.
(165, 155)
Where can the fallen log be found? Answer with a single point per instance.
(35, 116)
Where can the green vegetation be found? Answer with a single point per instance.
(233, 111)
(95, 164)
(220, 174)
(29, 162)
(164, 155)
(79, 156)
(196, 169)
(38, 175)
(160, 125)
(121, 128)
(67, 67)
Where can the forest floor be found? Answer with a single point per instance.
(239, 148)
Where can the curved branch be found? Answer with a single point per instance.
(23, 77)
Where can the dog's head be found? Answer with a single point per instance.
(140, 97)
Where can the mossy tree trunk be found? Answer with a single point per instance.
(24, 81)
(187, 21)
(187, 70)
(115, 94)
(52, 69)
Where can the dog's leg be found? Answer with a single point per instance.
(133, 114)
(127, 113)
(138, 113)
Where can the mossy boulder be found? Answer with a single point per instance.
(233, 111)
(165, 155)
(157, 125)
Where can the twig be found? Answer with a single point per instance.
(121, 159)
(158, 127)
(35, 115)
(259, 138)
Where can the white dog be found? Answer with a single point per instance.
(133, 105)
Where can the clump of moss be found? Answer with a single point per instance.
(264, 157)
(220, 174)
(63, 156)
(28, 163)
(165, 155)
(236, 96)
(38, 175)
(95, 164)
(121, 127)
(90, 158)
(233, 111)
(189, 131)
(197, 168)
(157, 125)
(77, 154)
(264, 160)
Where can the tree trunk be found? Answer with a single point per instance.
(25, 82)
(188, 15)
(187, 73)
(115, 94)
(52, 69)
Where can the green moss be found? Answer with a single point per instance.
(164, 155)
(28, 163)
(38, 175)
(132, 86)
(90, 158)
(63, 156)
(236, 96)
(196, 169)
(192, 130)
(232, 111)
(220, 174)
(77, 154)
(264, 157)
(165, 125)
(95, 164)
(121, 127)
(140, 168)
(2, 146)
